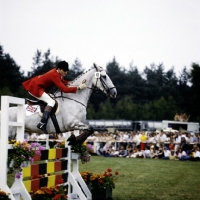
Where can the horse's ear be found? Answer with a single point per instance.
(95, 66)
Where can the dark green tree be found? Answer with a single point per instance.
(42, 63)
(118, 77)
(135, 85)
(154, 77)
(75, 70)
(10, 77)
(195, 94)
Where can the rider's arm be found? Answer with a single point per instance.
(60, 85)
(65, 82)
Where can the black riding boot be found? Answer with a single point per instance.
(42, 124)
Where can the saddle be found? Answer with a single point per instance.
(54, 110)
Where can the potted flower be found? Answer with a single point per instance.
(4, 195)
(58, 192)
(83, 152)
(101, 184)
(86, 177)
(21, 155)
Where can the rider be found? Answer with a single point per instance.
(39, 85)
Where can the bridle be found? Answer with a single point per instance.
(98, 77)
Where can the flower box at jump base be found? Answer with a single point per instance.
(101, 185)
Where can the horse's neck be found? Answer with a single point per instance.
(82, 96)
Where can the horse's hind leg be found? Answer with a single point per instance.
(81, 138)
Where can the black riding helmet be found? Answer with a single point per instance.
(63, 65)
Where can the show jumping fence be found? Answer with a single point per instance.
(53, 164)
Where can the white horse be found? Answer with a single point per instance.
(72, 107)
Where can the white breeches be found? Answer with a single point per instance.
(46, 98)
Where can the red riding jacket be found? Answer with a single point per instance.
(40, 84)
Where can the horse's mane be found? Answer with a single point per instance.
(71, 82)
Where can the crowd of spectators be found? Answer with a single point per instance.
(154, 145)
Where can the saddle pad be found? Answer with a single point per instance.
(32, 109)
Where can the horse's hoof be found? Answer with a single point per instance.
(71, 140)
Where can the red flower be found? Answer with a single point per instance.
(60, 181)
(100, 181)
(48, 191)
(110, 174)
(109, 170)
(57, 196)
(116, 173)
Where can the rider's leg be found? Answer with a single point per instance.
(50, 104)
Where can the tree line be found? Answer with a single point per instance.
(153, 94)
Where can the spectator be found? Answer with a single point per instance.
(154, 153)
(136, 139)
(135, 152)
(123, 152)
(190, 141)
(110, 151)
(184, 155)
(157, 139)
(183, 144)
(61, 136)
(91, 139)
(166, 153)
(196, 154)
(139, 154)
(129, 149)
(162, 138)
(130, 139)
(171, 145)
(43, 136)
(160, 152)
(172, 156)
(143, 139)
(147, 152)
(34, 136)
(151, 139)
(178, 154)
(177, 140)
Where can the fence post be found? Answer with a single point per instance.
(5, 123)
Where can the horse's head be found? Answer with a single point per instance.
(103, 82)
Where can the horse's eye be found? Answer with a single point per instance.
(104, 76)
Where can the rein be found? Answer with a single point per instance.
(56, 97)
(94, 88)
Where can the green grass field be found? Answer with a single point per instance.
(148, 179)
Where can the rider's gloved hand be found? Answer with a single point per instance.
(82, 85)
